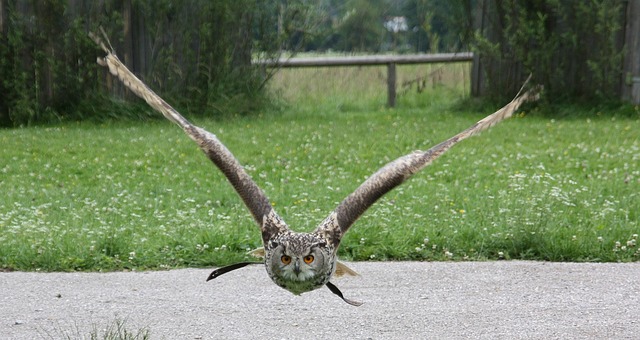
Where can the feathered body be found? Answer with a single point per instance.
(301, 262)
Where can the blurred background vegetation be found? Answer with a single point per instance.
(198, 54)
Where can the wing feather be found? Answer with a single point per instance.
(399, 170)
(252, 196)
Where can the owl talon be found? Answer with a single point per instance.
(227, 269)
(337, 291)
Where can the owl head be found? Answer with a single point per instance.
(299, 262)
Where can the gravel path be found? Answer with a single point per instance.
(402, 300)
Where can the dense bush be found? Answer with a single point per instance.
(196, 53)
(574, 48)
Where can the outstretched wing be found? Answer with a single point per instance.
(399, 170)
(253, 197)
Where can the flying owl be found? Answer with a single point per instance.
(301, 262)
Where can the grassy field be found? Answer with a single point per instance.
(133, 195)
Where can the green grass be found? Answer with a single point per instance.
(116, 329)
(135, 195)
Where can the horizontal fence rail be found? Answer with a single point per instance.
(369, 60)
(372, 60)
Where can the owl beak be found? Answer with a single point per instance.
(296, 267)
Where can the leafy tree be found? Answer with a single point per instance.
(361, 27)
(198, 53)
(40, 66)
(440, 25)
(572, 47)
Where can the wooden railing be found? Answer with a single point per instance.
(371, 60)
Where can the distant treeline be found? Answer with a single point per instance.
(198, 53)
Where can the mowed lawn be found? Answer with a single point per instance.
(140, 195)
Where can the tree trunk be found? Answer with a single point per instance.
(139, 34)
(631, 67)
(241, 53)
(477, 76)
(4, 106)
(3, 18)
(127, 19)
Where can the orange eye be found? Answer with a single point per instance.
(285, 259)
(308, 259)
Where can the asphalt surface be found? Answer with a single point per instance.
(402, 300)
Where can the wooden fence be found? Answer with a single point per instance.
(374, 60)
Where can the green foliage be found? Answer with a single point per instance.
(358, 26)
(572, 47)
(197, 53)
(439, 25)
(361, 27)
(45, 68)
(218, 71)
(116, 329)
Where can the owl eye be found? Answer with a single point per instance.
(285, 259)
(308, 259)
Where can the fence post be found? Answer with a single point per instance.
(391, 84)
